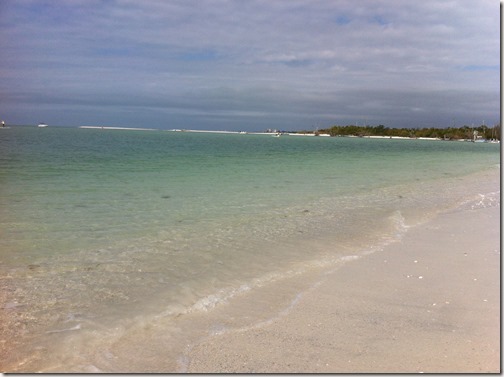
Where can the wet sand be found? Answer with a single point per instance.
(429, 303)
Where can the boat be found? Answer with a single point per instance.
(42, 125)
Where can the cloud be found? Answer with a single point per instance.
(293, 62)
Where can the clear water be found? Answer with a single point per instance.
(120, 248)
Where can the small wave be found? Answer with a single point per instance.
(490, 199)
(209, 302)
(395, 233)
(74, 328)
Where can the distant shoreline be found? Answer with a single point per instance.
(118, 128)
(276, 133)
(273, 133)
(282, 133)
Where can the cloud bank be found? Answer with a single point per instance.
(255, 64)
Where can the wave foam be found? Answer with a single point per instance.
(490, 199)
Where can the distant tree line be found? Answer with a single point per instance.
(450, 133)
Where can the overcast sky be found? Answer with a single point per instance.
(250, 64)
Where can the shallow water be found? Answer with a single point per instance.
(114, 241)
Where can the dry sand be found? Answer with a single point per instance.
(429, 303)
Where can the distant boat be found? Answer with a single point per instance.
(42, 125)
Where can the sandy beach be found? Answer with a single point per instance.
(428, 303)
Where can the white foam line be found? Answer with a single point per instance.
(76, 327)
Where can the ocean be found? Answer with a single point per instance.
(120, 249)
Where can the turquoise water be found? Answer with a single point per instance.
(106, 234)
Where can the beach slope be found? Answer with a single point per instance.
(428, 303)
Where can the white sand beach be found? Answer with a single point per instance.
(429, 303)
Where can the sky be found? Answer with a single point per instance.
(250, 64)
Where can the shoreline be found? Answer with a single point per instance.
(429, 303)
(271, 133)
(116, 128)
